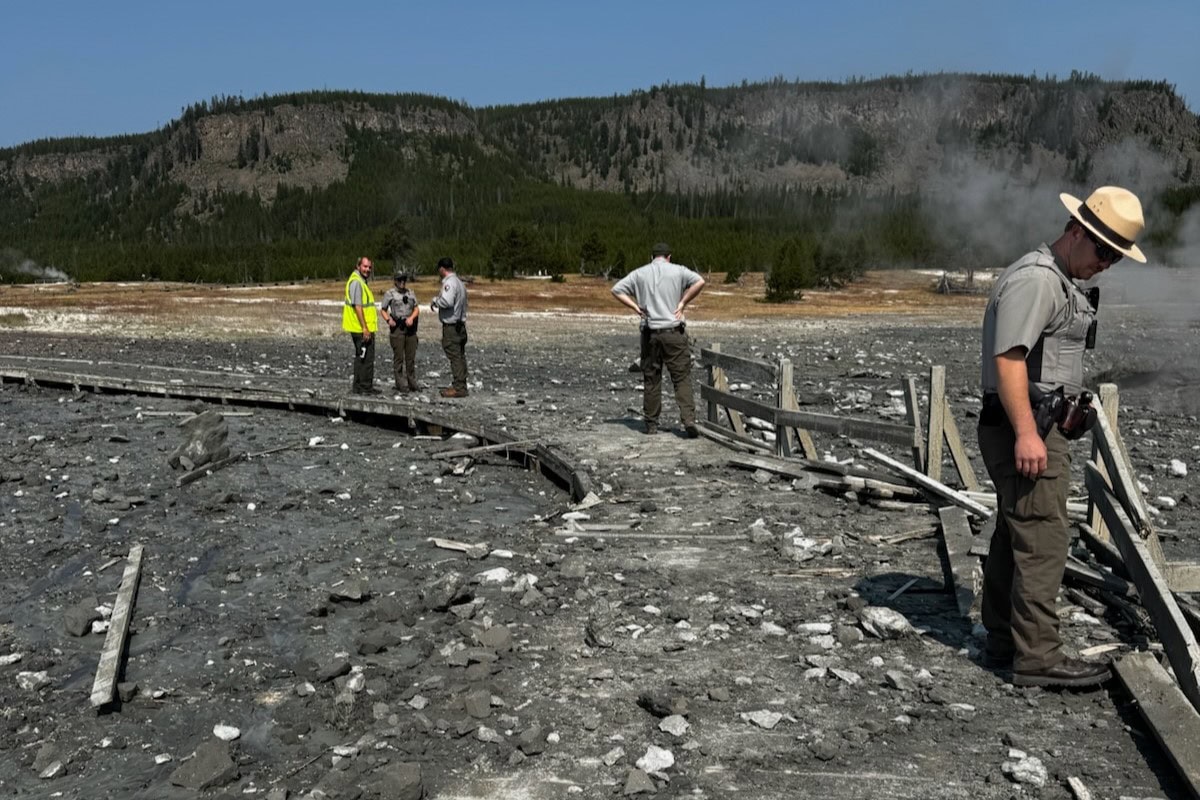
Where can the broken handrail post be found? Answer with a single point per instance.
(929, 484)
(1173, 630)
(109, 669)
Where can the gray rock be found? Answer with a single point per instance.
(378, 640)
(352, 590)
(478, 703)
(718, 694)
(823, 749)
(402, 781)
(532, 740)
(898, 680)
(333, 667)
(438, 594)
(206, 441)
(77, 620)
(497, 637)
(47, 754)
(600, 625)
(127, 690)
(211, 766)
(638, 782)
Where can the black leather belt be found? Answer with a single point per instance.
(680, 328)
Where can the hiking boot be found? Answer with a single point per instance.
(651, 428)
(450, 391)
(401, 388)
(1070, 673)
(692, 431)
(367, 390)
(414, 386)
(997, 661)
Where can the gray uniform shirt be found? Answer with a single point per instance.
(452, 302)
(398, 304)
(1034, 305)
(657, 287)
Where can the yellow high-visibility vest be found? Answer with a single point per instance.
(349, 318)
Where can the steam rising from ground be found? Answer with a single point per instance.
(14, 263)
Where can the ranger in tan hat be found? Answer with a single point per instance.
(1037, 325)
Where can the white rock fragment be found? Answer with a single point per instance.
(656, 759)
(226, 733)
(613, 756)
(32, 681)
(771, 629)
(497, 575)
(815, 673)
(163, 758)
(1165, 501)
(847, 676)
(1178, 468)
(885, 623)
(814, 627)
(1028, 770)
(10, 659)
(675, 725)
(763, 718)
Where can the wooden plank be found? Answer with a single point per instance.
(700, 537)
(783, 434)
(937, 425)
(912, 412)
(109, 669)
(1120, 474)
(1111, 403)
(756, 368)
(962, 569)
(1173, 630)
(1183, 576)
(776, 465)
(805, 438)
(730, 438)
(925, 482)
(721, 383)
(1077, 571)
(881, 432)
(714, 374)
(962, 464)
(824, 423)
(1173, 722)
(524, 445)
(213, 466)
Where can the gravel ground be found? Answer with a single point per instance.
(296, 597)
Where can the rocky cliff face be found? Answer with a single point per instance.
(874, 136)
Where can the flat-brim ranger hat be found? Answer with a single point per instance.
(1112, 213)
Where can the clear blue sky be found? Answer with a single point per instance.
(100, 68)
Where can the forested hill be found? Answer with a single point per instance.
(296, 185)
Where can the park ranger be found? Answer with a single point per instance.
(1036, 327)
(400, 311)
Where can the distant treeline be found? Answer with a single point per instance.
(409, 199)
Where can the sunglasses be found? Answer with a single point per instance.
(1104, 251)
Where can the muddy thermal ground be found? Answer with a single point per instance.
(702, 631)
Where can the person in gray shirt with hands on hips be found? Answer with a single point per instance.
(659, 292)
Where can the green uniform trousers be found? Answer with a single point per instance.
(454, 343)
(364, 364)
(1028, 551)
(668, 348)
(404, 357)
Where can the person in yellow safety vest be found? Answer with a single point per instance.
(359, 320)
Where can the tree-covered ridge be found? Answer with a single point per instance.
(806, 175)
